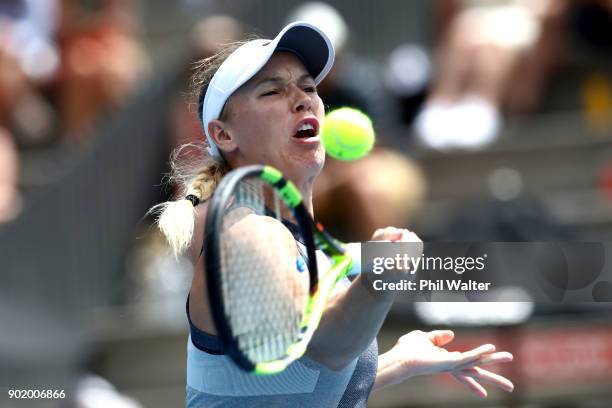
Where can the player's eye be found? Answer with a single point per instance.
(271, 92)
(310, 89)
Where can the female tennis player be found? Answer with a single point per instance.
(259, 105)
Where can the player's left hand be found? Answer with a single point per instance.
(421, 353)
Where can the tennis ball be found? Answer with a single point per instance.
(347, 134)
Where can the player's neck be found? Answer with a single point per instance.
(306, 191)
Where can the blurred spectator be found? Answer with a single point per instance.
(9, 166)
(482, 43)
(102, 60)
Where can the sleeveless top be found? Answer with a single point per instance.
(213, 380)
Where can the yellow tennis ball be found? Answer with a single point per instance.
(347, 134)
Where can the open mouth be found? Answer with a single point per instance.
(306, 129)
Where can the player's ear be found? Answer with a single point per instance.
(220, 134)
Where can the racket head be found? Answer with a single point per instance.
(257, 293)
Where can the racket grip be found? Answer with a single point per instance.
(353, 249)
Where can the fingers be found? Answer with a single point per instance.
(471, 384)
(474, 356)
(466, 363)
(489, 377)
(499, 357)
(470, 376)
(441, 337)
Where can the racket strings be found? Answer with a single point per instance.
(264, 291)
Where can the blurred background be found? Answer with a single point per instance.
(494, 123)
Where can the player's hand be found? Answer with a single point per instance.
(421, 353)
(393, 234)
(396, 235)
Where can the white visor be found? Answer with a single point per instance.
(304, 40)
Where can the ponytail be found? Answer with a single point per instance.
(176, 218)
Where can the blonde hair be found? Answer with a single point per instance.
(192, 170)
(196, 184)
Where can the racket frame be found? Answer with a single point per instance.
(314, 236)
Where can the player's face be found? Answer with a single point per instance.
(275, 119)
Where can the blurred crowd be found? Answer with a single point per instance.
(63, 64)
(497, 57)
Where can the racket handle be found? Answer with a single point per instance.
(353, 249)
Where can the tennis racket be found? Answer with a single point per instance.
(265, 290)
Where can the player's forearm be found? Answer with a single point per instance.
(349, 324)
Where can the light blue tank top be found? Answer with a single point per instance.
(213, 380)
